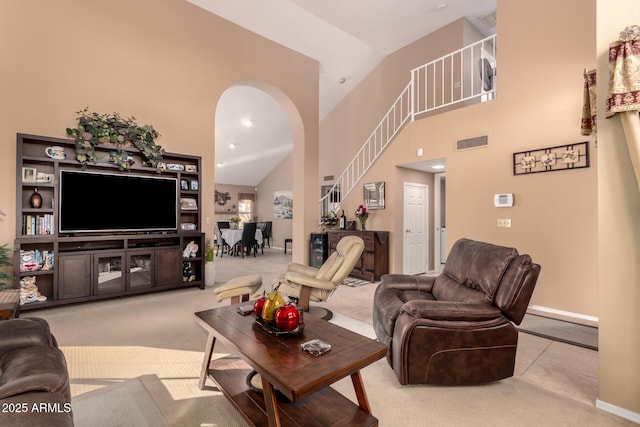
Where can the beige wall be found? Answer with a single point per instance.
(538, 105)
(280, 178)
(619, 235)
(225, 211)
(166, 62)
(348, 126)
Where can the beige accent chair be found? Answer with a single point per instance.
(311, 284)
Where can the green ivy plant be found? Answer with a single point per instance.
(5, 261)
(112, 129)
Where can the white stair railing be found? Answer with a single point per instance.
(464, 76)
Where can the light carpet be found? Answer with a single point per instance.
(165, 391)
(135, 386)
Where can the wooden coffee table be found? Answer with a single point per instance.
(295, 384)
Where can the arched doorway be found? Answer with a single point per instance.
(271, 153)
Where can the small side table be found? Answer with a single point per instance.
(9, 303)
(286, 242)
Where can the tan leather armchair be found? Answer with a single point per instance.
(311, 284)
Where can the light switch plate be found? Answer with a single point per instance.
(504, 223)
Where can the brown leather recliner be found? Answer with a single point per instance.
(34, 381)
(456, 328)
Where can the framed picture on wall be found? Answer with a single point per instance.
(373, 195)
(283, 204)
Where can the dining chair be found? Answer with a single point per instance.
(221, 244)
(266, 234)
(248, 241)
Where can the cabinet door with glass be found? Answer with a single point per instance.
(140, 270)
(108, 274)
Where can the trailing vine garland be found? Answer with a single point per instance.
(111, 129)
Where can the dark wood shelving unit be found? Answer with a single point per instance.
(92, 266)
(374, 261)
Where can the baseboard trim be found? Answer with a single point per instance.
(567, 316)
(616, 410)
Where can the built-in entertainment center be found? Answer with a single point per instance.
(86, 233)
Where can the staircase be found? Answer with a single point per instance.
(464, 77)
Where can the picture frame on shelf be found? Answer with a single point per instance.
(44, 177)
(194, 184)
(184, 184)
(29, 174)
(191, 168)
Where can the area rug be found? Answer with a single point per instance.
(559, 330)
(123, 404)
(136, 403)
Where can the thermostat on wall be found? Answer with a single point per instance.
(503, 200)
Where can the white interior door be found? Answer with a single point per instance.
(416, 230)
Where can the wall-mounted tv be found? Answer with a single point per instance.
(109, 202)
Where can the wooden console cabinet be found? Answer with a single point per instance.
(89, 266)
(374, 261)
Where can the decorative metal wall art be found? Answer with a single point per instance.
(561, 157)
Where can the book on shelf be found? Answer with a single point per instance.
(33, 225)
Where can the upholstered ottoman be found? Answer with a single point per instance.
(239, 289)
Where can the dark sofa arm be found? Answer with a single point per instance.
(406, 282)
(26, 332)
(451, 311)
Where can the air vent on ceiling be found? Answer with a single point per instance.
(489, 20)
(478, 141)
(328, 178)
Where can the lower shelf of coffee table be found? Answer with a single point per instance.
(324, 408)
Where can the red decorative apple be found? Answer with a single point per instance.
(287, 317)
(258, 305)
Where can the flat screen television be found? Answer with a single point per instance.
(109, 202)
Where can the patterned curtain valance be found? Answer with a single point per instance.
(624, 72)
(588, 125)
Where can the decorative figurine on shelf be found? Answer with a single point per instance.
(188, 274)
(191, 250)
(362, 213)
(29, 291)
(36, 199)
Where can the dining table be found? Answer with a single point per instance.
(232, 236)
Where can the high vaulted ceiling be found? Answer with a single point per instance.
(347, 37)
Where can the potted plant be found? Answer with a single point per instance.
(362, 213)
(5, 261)
(235, 221)
(122, 133)
(209, 265)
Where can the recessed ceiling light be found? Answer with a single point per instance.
(442, 6)
(342, 80)
(232, 146)
(437, 167)
(220, 164)
(247, 123)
